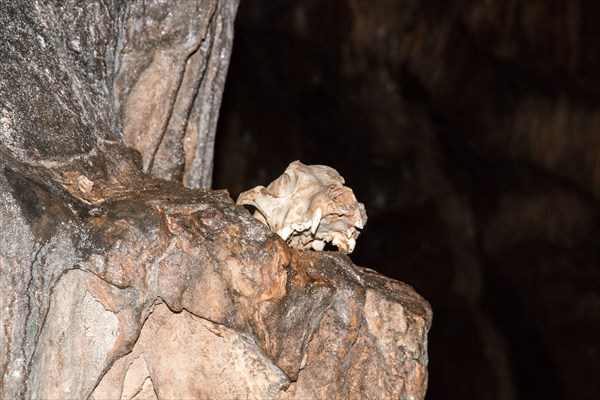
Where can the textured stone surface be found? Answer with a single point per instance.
(316, 318)
(170, 75)
(114, 283)
(181, 356)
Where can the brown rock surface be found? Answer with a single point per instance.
(315, 317)
(114, 283)
(182, 356)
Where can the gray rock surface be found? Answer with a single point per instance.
(114, 283)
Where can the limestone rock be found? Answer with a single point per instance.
(181, 356)
(169, 79)
(283, 315)
(114, 283)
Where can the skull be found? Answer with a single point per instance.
(309, 206)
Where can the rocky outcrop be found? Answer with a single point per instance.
(471, 132)
(117, 284)
(166, 282)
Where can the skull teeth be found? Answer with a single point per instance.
(308, 206)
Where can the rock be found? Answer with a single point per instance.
(181, 356)
(114, 283)
(169, 79)
(317, 319)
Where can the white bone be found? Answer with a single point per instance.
(316, 220)
(308, 206)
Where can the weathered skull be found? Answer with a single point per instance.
(308, 206)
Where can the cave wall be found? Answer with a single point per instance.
(120, 278)
(471, 131)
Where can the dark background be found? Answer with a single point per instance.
(471, 132)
